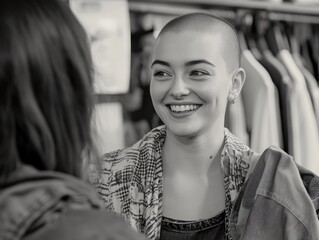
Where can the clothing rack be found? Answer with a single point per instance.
(288, 12)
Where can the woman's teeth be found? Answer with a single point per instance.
(183, 108)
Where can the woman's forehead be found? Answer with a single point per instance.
(185, 44)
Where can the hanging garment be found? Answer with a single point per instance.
(276, 43)
(260, 105)
(283, 83)
(258, 56)
(306, 143)
(235, 120)
(311, 83)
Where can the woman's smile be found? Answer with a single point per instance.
(182, 109)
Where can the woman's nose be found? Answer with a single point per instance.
(179, 88)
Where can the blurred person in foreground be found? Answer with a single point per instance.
(46, 102)
(192, 178)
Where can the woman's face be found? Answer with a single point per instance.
(190, 81)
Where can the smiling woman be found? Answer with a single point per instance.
(188, 178)
(190, 68)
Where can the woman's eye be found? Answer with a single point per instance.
(161, 74)
(198, 73)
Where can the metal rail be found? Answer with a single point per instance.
(235, 5)
(287, 12)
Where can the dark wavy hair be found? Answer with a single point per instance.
(45, 87)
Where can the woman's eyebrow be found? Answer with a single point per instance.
(194, 62)
(160, 62)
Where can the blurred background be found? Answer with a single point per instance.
(279, 104)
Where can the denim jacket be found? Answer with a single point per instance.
(36, 205)
(279, 200)
(131, 185)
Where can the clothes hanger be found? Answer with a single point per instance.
(253, 35)
(283, 29)
(274, 38)
(291, 36)
(262, 23)
(242, 40)
(241, 26)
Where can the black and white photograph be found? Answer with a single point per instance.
(159, 119)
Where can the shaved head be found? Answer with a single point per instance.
(205, 23)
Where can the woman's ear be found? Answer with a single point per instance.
(238, 80)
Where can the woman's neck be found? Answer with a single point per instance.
(192, 155)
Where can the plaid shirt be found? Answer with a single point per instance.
(131, 183)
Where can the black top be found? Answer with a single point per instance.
(212, 229)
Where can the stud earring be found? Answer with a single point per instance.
(232, 100)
